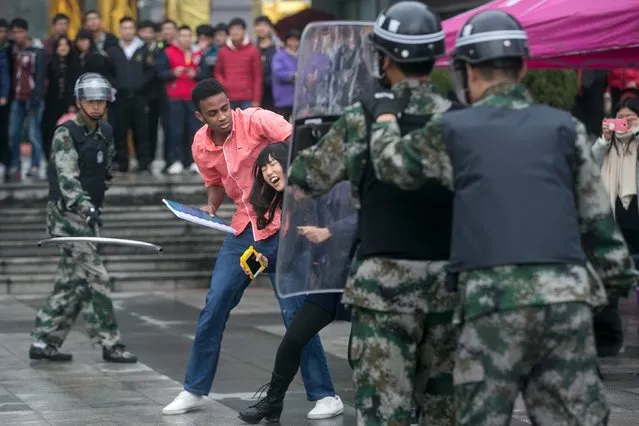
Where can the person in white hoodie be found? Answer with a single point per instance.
(616, 153)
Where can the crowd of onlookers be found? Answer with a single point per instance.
(153, 67)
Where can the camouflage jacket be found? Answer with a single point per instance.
(380, 284)
(407, 161)
(342, 153)
(68, 219)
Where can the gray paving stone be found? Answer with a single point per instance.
(13, 407)
(88, 391)
(79, 415)
(19, 417)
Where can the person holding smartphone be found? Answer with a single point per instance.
(616, 153)
(318, 310)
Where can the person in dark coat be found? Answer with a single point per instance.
(93, 59)
(62, 71)
(318, 310)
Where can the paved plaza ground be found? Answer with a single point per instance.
(159, 327)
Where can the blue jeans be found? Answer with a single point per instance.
(18, 113)
(227, 286)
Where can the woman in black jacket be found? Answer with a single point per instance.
(62, 72)
(91, 58)
(318, 310)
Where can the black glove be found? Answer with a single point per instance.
(385, 102)
(93, 218)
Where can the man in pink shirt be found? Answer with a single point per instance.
(225, 150)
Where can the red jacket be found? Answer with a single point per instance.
(239, 70)
(624, 78)
(180, 88)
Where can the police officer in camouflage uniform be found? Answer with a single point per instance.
(81, 154)
(530, 217)
(403, 338)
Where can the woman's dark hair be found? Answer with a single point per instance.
(633, 105)
(57, 41)
(84, 35)
(264, 199)
(70, 58)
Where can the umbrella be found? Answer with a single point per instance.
(300, 19)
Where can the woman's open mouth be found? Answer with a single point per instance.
(274, 180)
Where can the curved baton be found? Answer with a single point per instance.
(101, 240)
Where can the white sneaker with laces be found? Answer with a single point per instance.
(326, 408)
(183, 403)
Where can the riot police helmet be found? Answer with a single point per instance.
(492, 35)
(407, 32)
(93, 87)
(491, 39)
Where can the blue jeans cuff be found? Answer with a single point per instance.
(194, 391)
(315, 398)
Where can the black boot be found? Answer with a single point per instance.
(50, 353)
(117, 353)
(270, 407)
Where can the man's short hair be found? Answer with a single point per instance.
(127, 19)
(508, 68)
(91, 12)
(168, 21)
(4, 24)
(221, 27)
(205, 89)
(263, 19)
(59, 17)
(19, 23)
(205, 30)
(237, 22)
(184, 28)
(147, 23)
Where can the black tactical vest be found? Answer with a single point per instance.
(514, 187)
(92, 152)
(403, 224)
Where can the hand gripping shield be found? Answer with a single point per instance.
(317, 235)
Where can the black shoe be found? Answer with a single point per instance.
(270, 407)
(50, 353)
(119, 354)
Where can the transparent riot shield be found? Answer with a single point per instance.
(317, 236)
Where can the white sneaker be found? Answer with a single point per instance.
(175, 168)
(193, 169)
(326, 408)
(183, 403)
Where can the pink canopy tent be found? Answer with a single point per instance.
(569, 33)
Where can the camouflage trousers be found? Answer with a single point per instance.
(546, 352)
(81, 284)
(392, 353)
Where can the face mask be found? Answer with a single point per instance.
(624, 136)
